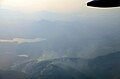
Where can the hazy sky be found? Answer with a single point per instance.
(16, 14)
(19, 12)
(39, 5)
(65, 6)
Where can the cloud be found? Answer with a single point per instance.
(26, 56)
(21, 40)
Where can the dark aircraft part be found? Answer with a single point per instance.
(104, 3)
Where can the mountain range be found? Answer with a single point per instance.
(103, 67)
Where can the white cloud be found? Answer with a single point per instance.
(21, 40)
(26, 56)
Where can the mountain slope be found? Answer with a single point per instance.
(10, 74)
(106, 67)
(103, 67)
(61, 68)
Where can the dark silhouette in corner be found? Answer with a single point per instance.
(104, 3)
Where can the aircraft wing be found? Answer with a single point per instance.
(104, 3)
